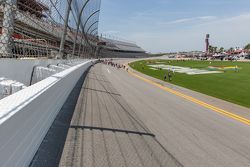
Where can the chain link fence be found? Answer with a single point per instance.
(48, 28)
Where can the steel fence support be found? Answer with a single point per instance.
(87, 32)
(80, 47)
(66, 20)
(78, 25)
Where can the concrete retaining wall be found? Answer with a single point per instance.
(20, 70)
(26, 116)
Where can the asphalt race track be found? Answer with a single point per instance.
(196, 136)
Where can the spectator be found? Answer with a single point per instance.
(169, 76)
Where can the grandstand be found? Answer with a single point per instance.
(115, 48)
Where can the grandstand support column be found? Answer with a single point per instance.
(84, 49)
(97, 52)
(66, 20)
(87, 51)
(80, 47)
(8, 28)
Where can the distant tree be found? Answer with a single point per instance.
(221, 50)
(215, 49)
(247, 46)
(210, 49)
(231, 49)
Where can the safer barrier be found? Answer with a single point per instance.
(26, 116)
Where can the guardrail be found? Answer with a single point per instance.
(26, 116)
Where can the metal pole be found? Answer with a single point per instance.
(78, 25)
(80, 47)
(8, 28)
(84, 49)
(91, 33)
(87, 32)
(61, 51)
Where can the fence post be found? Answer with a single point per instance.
(80, 47)
(78, 24)
(8, 28)
(66, 20)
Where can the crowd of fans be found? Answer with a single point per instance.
(114, 64)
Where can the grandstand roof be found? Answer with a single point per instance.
(122, 46)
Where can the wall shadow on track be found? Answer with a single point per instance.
(50, 150)
(106, 131)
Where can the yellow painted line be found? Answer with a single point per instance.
(204, 104)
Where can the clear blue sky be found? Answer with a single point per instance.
(177, 25)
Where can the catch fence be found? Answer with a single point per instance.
(49, 28)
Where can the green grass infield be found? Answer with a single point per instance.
(231, 83)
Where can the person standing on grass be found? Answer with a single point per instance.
(237, 69)
(169, 76)
(165, 76)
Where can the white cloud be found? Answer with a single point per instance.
(187, 20)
